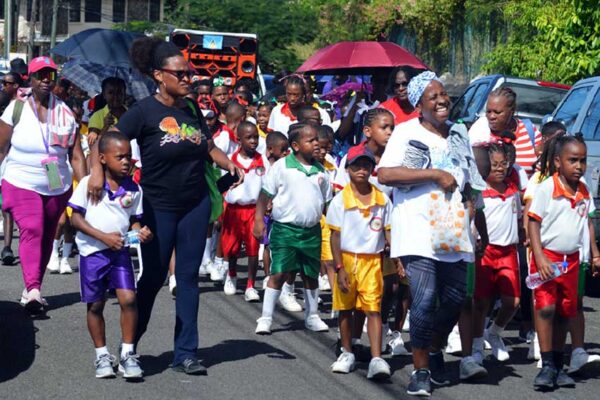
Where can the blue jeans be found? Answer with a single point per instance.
(184, 231)
(438, 291)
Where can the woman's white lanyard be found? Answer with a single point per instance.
(50, 163)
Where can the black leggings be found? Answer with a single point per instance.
(185, 231)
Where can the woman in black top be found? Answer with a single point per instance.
(174, 144)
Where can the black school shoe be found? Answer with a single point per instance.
(437, 367)
(7, 255)
(546, 378)
(190, 366)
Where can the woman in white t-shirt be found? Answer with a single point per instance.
(420, 159)
(42, 134)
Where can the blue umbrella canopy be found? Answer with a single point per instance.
(99, 46)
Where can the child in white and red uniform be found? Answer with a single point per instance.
(238, 219)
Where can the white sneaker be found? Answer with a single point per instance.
(65, 268)
(218, 273)
(251, 295)
(534, 349)
(230, 285)
(54, 264)
(315, 323)
(406, 325)
(210, 267)
(397, 345)
(35, 303)
(288, 302)
(454, 344)
(378, 369)
(24, 297)
(498, 348)
(265, 282)
(538, 365)
(204, 268)
(580, 358)
(478, 354)
(344, 364)
(324, 283)
(263, 326)
(172, 285)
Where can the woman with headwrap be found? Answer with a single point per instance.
(425, 157)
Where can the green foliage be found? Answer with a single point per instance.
(550, 40)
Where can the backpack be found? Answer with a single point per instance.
(17, 111)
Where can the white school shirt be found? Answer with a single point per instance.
(502, 213)
(27, 150)
(280, 122)
(299, 192)
(255, 170)
(563, 216)
(411, 229)
(361, 226)
(226, 141)
(111, 214)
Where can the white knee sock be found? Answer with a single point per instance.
(311, 302)
(66, 252)
(55, 246)
(207, 251)
(287, 288)
(126, 348)
(100, 351)
(269, 301)
(218, 261)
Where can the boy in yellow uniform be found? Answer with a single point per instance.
(359, 221)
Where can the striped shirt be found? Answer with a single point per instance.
(480, 132)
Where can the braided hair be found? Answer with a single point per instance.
(295, 131)
(508, 94)
(553, 149)
(373, 113)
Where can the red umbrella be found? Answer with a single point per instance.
(359, 58)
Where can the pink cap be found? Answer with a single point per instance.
(40, 63)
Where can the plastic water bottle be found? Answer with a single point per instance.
(131, 237)
(534, 280)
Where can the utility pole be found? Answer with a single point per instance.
(34, 9)
(7, 26)
(53, 27)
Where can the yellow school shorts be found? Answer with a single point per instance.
(69, 209)
(366, 283)
(326, 254)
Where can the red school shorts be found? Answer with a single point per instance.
(238, 222)
(498, 273)
(561, 291)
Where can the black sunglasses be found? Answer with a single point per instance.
(401, 84)
(179, 74)
(42, 74)
(8, 83)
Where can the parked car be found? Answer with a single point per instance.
(534, 98)
(580, 112)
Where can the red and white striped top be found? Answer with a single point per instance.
(480, 132)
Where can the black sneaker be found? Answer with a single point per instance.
(546, 378)
(7, 255)
(564, 380)
(437, 366)
(190, 366)
(420, 383)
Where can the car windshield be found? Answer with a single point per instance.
(534, 102)
(567, 114)
(591, 124)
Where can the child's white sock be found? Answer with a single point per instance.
(67, 250)
(207, 251)
(261, 252)
(478, 343)
(126, 348)
(287, 288)
(495, 329)
(311, 302)
(100, 351)
(55, 246)
(269, 301)
(385, 328)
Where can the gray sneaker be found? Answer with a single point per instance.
(470, 369)
(420, 383)
(104, 366)
(378, 369)
(129, 366)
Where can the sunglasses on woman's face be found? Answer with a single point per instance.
(179, 74)
(48, 74)
(400, 84)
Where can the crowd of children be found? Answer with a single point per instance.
(329, 218)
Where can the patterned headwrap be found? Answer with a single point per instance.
(417, 85)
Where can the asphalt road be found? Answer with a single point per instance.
(52, 358)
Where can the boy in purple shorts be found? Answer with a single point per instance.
(104, 260)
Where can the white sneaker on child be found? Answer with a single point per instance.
(54, 264)
(230, 285)
(251, 295)
(454, 344)
(289, 303)
(64, 267)
(580, 358)
(204, 268)
(315, 323)
(344, 364)
(218, 273)
(172, 285)
(397, 345)
(324, 283)
(263, 326)
(378, 369)
(498, 348)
